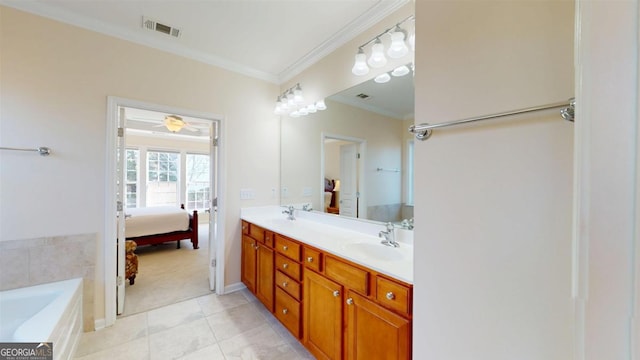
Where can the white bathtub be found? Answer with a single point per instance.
(44, 313)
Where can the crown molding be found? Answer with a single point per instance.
(376, 13)
(366, 20)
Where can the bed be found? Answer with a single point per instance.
(155, 225)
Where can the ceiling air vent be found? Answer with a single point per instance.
(153, 25)
(362, 96)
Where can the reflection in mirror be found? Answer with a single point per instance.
(355, 158)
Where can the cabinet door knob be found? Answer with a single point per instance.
(285, 284)
(390, 295)
(285, 265)
(256, 247)
(285, 248)
(310, 259)
(349, 301)
(285, 311)
(336, 293)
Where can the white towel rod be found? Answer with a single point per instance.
(424, 130)
(43, 151)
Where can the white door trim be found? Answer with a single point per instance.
(110, 253)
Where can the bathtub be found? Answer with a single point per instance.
(44, 313)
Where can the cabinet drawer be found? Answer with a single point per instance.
(288, 247)
(289, 285)
(268, 238)
(256, 232)
(394, 296)
(347, 275)
(312, 259)
(288, 312)
(245, 228)
(289, 267)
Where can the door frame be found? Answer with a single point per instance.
(110, 230)
(361, 148)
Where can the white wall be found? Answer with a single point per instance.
(493, 200)
(53, 92)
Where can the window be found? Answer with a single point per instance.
(162, 178)
(131, 180)
(198, 186)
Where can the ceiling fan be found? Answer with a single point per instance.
(175, 123)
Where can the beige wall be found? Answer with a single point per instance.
(53, 91)
(494, 200)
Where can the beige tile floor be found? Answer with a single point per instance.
(212, 327)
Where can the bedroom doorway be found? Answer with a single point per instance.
(343, 163)
(161, 165)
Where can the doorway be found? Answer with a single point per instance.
(147, 122)
(342, 163)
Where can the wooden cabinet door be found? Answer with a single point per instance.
(264, 276)
(374, 332)
(248, 263)
(322, 321)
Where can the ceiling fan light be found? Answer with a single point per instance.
(377, 58)
(382, 78)
(174, 123)
(320, 105)
(398, 48)
(400, 71)
(360, 66)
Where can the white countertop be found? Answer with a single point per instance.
(351, 239)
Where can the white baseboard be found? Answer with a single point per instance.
(234, 287)
(99, 324)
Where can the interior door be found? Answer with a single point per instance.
(213, 196)
(120, 204)
(348, 180)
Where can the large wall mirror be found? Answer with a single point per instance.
(356, 157)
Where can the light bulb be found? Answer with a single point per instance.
(320, 105)
(360, 67)
(382, 78)
(291, 99)
(398, 48)
(303, 111)
(278, 109)
(400, 71)
(311, 108)
(377, 58)
(297, 95)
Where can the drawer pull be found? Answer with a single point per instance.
(257, 247)
(285, 311)
(336, 293)
(285, 284)
(285, 265)
(390, 295)
(310, 259)
(349, 301)
(285, 248)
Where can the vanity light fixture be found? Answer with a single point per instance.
(382, 78)
(291, 102)
(397, 49)
(400, 71)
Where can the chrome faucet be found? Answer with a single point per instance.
(307, 207)
(388, 236)
(289, 212)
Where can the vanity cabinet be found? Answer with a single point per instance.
(257, 263)
(338, 309)
(288, 284)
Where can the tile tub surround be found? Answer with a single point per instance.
(332, 233)
(43, 260)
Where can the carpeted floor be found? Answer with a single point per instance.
(167, 275)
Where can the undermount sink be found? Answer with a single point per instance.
(376, 251)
